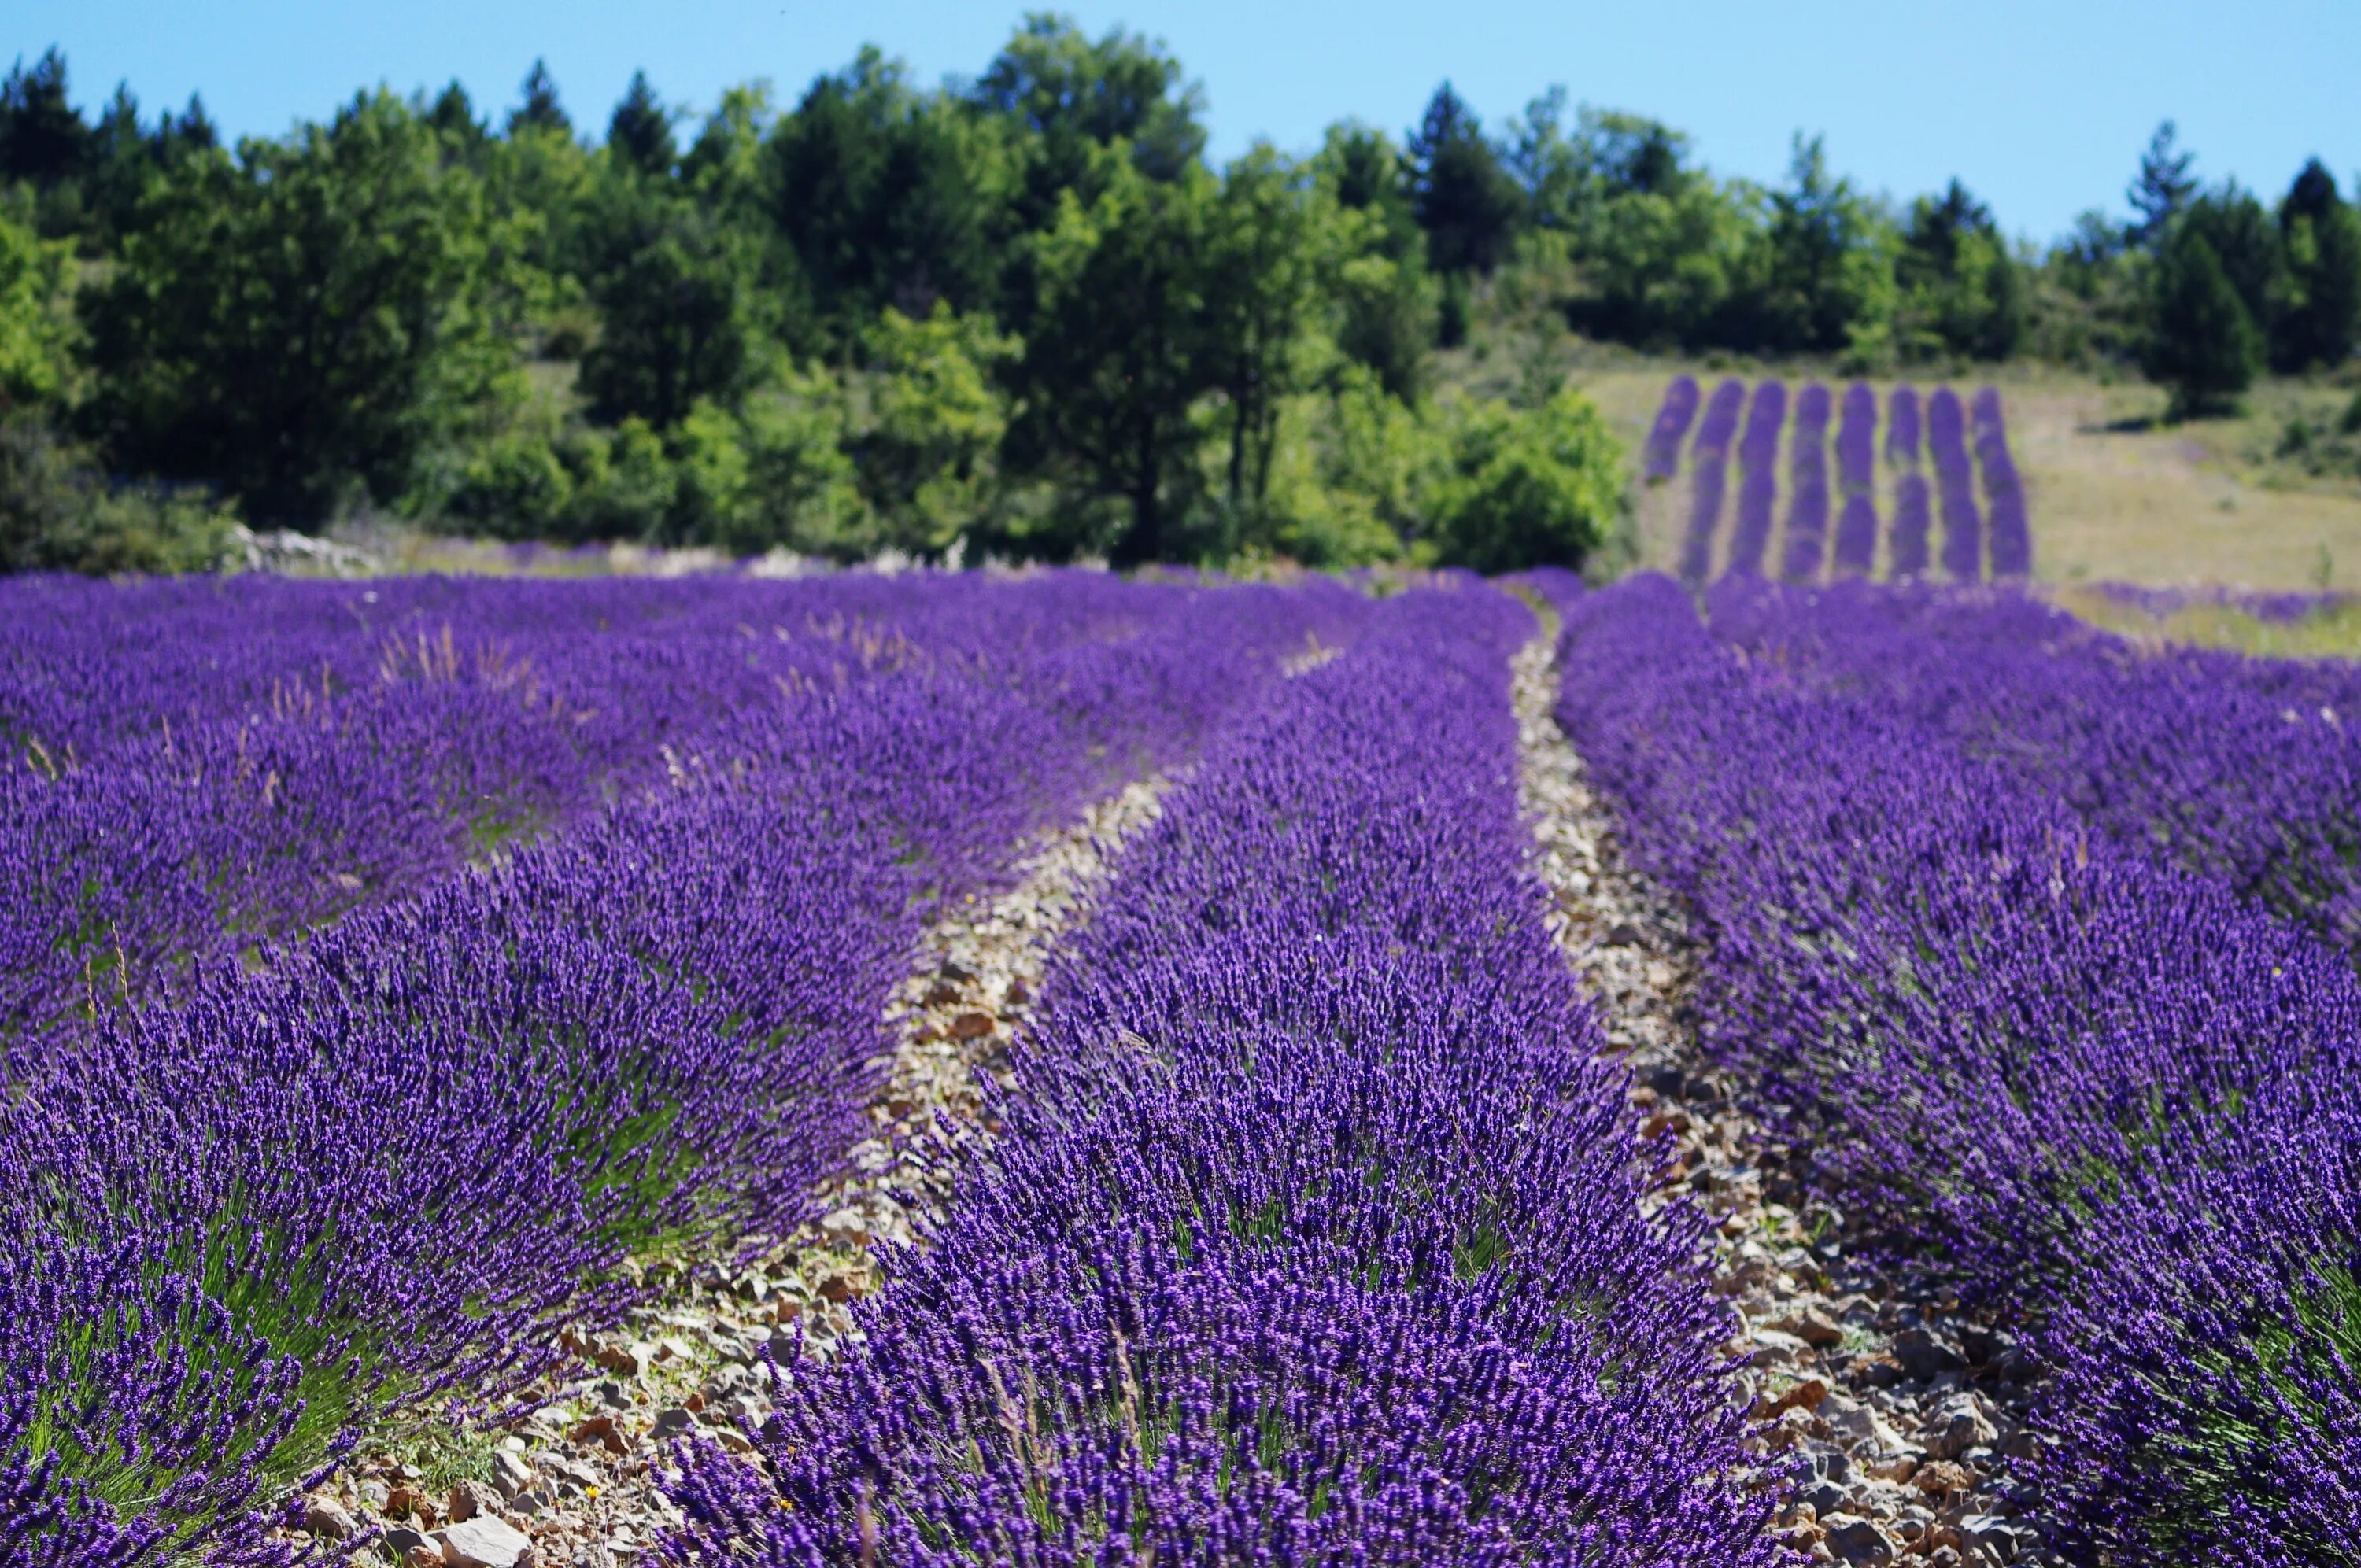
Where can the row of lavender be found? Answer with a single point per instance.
(1969, 537)
(1986, 902)
(258, 1209)
(1315, 1236)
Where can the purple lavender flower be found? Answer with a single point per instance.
(1714, 435)
(1807, 516)
(1955, 484)
(1856, 548)
(1758, 482)
(1664, 447)
(2012, 529)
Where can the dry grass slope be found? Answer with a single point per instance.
(2115, 496)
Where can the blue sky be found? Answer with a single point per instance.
(2040, 105)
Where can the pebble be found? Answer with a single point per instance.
(485, 1542)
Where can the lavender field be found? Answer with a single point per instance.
(953, 1069)
(1967, 522)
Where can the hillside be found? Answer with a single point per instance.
(2116, 496)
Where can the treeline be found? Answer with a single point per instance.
(1023, 311)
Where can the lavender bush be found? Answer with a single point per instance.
(2012, 529)
(1758, 480)
(1856, 546)
(1807, 514)
(1714, 435)
(1955, 484)
(1662, 456)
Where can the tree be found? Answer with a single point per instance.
(887, 197)
(42, 138)
(452, 116)
(1261, 274)
(1826, 282)
(1066, 95)
(927, 461)
(539, 110)
(329, 319)
(1959, 285)
(639, 135)
(676, 288)
(32, 328)
(1466, 200)
(1373, 284)
(306, 319)
(2320, 239)
(2201, 341)
(2162, 188)
(2247, 242)
(1118, 354)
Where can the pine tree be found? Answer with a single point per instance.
(1465, 200)
(2163, 188)
(541, 110)
(42, 138)
(2321, 237)
(641, 132)
(2201, 341)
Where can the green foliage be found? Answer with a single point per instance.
(538, 111)
(301, 321)
(58, 514)
(639, 136)
(1351, 470)
(34, 328)
(675, 290)
(1824, 278)
(1465, 200)
(1118, 354)
(1960, 295)
(2202, 343)
(1534, 487)
(928, 462)
(2321, 240)
(888, 197)
(2162, 188)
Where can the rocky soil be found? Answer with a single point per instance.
(580, 1481)
(1895, 1414)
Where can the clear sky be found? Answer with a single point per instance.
(2040, 105)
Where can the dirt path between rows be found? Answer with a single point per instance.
(1896, 1414)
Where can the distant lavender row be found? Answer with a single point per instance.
(1856, 552)
(391, 1162)
(1713, 440)
(1315, 1233)
(2120, 1104)
(1964, 549)
(1902, 427)
(2012, 530)
(1672, 427)
(1758, 478)
(1808, 515)
(2285, 609)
